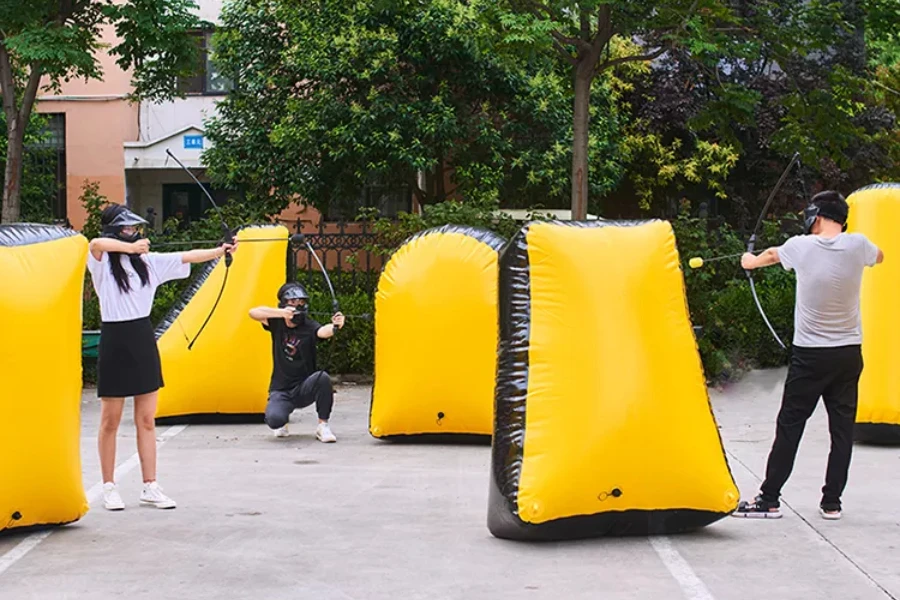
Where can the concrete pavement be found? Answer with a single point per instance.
(261, 517)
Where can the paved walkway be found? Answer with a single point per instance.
(266, 518)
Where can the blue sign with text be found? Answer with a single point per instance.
(193, 141)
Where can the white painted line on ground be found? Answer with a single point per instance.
(825, 538)
(23, 548)
(693, 588)
(96, 491)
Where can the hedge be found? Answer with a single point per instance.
(733, 336)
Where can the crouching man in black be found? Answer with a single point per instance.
(295, 382)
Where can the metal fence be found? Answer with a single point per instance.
(344, 249)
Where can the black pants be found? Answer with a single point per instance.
(830, 373)
(315, 389)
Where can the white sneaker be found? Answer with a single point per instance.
(281, 431)
(111, 498)
(152, 495)
(323, 433)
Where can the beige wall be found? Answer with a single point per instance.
(94, 135)
(159, 119)
(98, 121)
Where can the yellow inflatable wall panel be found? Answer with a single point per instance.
(436, 336)
(875, 212)
(228, 368)
(42, 270)
(603, 422)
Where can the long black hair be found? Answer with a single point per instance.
(115, 264)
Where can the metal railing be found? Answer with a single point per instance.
(343, 248)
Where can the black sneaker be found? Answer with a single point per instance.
(758, 509)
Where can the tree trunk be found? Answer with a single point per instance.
(16, 122)
(583, 77)
(12, 187)
(440, 193)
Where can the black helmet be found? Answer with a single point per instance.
(115, 217)
(294, 291)
(291, 291)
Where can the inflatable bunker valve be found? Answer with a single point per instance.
(227, 370)
(603, 424)
(875, 212)
(436, 338)
(43, 272)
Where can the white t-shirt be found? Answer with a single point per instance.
(829, 277)
(136, 304)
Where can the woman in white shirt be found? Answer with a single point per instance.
(125, 275)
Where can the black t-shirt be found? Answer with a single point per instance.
(293, 352)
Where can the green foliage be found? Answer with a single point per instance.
(333, 96)
(154, 44)
(734, 336)
(61, 40)
(822, 123)
(782, 77)
(391, 233)
(654, 165)
(577, 24)
(882, 35)
(93, 202)
(586, 34)
(352, 349)
(38, 182)
(45, 43)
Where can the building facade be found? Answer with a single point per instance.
(101, 137)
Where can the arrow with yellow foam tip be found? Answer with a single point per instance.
(697, 262)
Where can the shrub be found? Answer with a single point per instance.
(391, 233)
(352, 349)
(734, 336)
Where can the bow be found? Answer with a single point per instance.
(227, 237)
(299, 238)
(751, 243)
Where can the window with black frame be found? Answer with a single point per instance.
(209, 80)
(187, 203)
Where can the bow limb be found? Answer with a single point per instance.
(751, 244)
(762, 312)
(227, 237)
(300, 238)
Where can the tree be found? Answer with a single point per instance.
(39, 182)
(58, 40)
(331, 96)
(581, 32)
(790, 77)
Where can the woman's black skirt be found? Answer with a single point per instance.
(128, 359)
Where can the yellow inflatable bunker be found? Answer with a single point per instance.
(436, 337)
(42, 270)
(874, 212)
(227, 370)
(603, 423)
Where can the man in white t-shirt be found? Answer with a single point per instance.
(826, 357)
